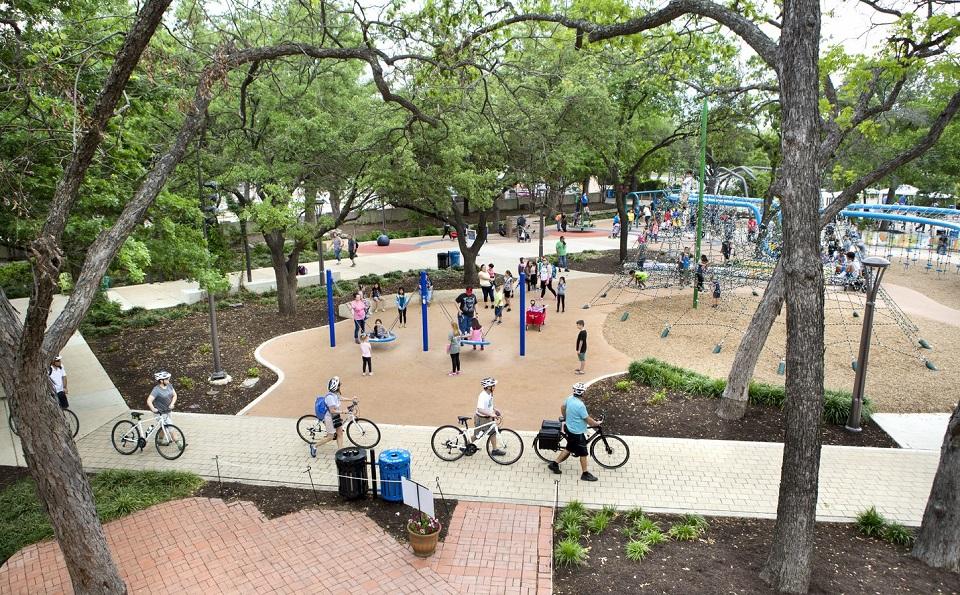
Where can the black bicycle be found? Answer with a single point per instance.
(608, 450)
(71, 418)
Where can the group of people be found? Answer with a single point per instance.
(352, 247)
(360, 309)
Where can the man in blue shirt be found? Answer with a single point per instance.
(576, 421)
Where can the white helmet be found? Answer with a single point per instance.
(488, 382)
(334, 384)
(161, 376)
(579, 388)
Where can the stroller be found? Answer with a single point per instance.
(536, 318)
(523, 234)
(616, 230)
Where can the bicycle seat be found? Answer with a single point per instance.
(136, 415)
(463, 419)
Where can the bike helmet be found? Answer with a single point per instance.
(334, 384)
(579, 388)
(161, 376)
(488, 382)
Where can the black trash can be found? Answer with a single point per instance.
(443, 260)
(352, 472)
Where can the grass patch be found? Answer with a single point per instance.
(871, 523)
(658, 397)
(683, 532)
(624, 385)
(253, 372)
(897, 534)
(637, 549)
(116, 493)
(569, 552)
(661, 375)
(599, 521)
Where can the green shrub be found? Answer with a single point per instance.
(569, 552)
(653, 537)
(103, 312)
(658, 397)
(624, 385)
(253, 372)
(599, 521)
(185, 382)
(871, 523)
(897, 534)
(637, 549)
(695, 520)
(572, 515)
(16, 279)
(205, 349)
(645, 525)
(570, 528)
(683, 532)
(634, 514)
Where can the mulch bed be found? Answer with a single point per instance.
(688, 416)
(277, 501)
(132, 355)
(11, 475)
(728, 558)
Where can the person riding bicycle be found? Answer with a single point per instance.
(163, 397)
(576, 420)
(58, 381)
(487, 413)
(327, 409)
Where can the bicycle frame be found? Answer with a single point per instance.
(158, 424)
(350, 416)
(495, 429)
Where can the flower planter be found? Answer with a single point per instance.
(423, 545)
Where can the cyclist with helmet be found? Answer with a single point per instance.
(163, 397)
(327, 408)
(576, 420)
(486, 412)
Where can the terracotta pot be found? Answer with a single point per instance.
(423, 545)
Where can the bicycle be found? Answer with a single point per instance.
(360, 431)
(612, 450)
(450, 443)
(72, 423)
(128, 436)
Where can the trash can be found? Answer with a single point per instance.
(394, 464)
(443, 260)
(106, 282)
(454, 258)
(352, 472)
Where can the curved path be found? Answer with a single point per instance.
(410, 386)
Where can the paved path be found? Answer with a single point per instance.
(213, 547)
(922, 431)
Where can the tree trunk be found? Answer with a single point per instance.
(541, 211)
(285, 273)
(938, 543)
(733, 404)
(63, 487)
(243, 233)
(789, 562)
(622, 211)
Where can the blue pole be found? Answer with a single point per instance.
(423, 307)
(330, 311)
(523, 314)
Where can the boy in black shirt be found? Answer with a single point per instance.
(581, 347)
(468, 304)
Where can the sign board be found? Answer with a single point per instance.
(417, 496)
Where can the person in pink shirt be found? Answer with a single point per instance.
(366, 355)
(359, 309)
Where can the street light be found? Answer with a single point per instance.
(876, 265)
(208, 206)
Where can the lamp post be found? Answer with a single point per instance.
(209, 212)
(876, 265)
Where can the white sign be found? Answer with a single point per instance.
(417, 496)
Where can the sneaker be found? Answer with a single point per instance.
(587, 476)
(371, 373)
(452, 374)
(498, 452)
(363, 374)
(555, 467)
(313, 450)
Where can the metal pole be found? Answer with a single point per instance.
(423, 308)
(523, 314)
(860, 380)
(218, 373)
(703, 171)
(330, 314)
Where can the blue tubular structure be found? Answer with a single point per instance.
(330, 310)
(523, 314)
(423, 307)
(905, 209)
(903, 218)
(710, 199)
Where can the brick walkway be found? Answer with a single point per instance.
(208, 546)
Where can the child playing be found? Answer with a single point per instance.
(402, 300)
(562, 295)
(716, 292)
(366, 355)
(476, 332)
(498, 301)
(379, 331)
(377, 294)
(701, 271)
(640, 277)
(507, 288)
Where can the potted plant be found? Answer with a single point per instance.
(424, 530)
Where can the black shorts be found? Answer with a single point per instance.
(507, 293)
(576, 444)
(62, 399)
(337, 422)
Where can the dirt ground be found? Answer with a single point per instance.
(897, 381)
(729, 555)
(683, 415)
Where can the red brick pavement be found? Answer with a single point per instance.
(200, 545)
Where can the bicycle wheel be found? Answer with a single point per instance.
(508, 442)
(363, 433)
(308, 427)
(546, 454)
(125, 437)
(170, 442)
(72, 422)
(448, 443)
(609, 451)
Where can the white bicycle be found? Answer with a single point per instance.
(127, 436)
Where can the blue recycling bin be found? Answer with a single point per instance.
(454, 258)
(394, 464)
